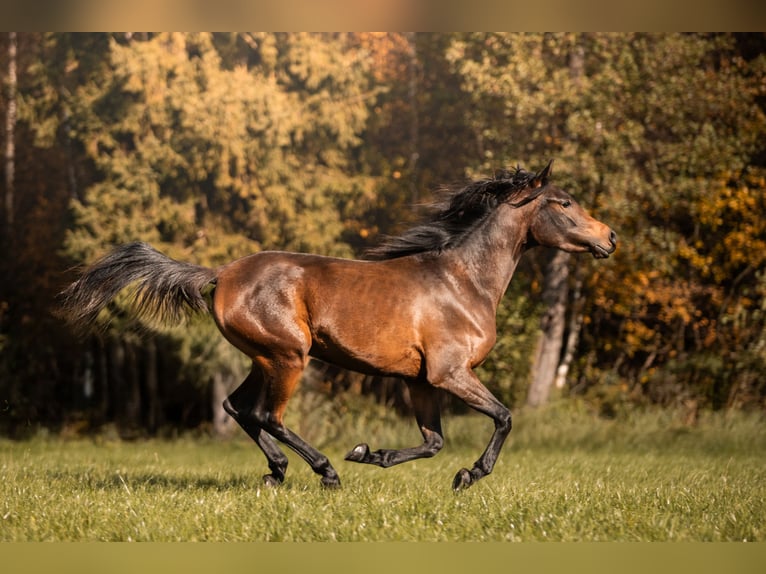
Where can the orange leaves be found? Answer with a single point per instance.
(637, 335)
(389, 53)
(733, 229)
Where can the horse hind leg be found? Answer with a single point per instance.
(239, 406)
(428, 415)
(279, 376)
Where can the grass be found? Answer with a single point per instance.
(563, 476)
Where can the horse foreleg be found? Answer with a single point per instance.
(464, 384)
(427, 413)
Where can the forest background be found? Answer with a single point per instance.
(214, 146)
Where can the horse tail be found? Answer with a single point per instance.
(162, 290)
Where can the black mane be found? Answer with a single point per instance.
(456, 214)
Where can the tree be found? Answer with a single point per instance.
(629, 136)
(35, 352)
(210, 161)
(10, 127)
(522, 111)
(211, 147)
(680, 148)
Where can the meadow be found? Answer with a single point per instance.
(564, 475)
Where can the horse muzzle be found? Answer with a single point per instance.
(601, 252)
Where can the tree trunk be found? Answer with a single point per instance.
(412, 95)
(574, 334)
(575, 324)
(548, 352)
(555, 293)
(153, 418)
(133, 388)
(10, 128)
(222, 422)
(116, 378)
(101, 390)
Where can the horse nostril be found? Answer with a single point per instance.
(613, 238)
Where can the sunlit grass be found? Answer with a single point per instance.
(563, 476)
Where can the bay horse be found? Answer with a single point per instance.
(421, 308)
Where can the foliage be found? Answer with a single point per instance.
(507, 368)
(214, 163)
(207, 159)
(657, 132)
(212, 146)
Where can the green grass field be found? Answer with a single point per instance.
(563, 476)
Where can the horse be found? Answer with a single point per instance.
(422, 307)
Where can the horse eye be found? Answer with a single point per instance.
(566, 203)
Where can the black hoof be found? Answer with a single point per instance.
(230, 410)
(359, 453)
(271, 481)
(463, 479)
(330, 482)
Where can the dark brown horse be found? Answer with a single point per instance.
(423, 309)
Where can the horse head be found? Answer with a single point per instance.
(559, 221)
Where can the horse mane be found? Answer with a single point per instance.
(458, 211)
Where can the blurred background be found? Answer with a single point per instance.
(214, 146)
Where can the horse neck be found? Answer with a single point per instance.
(492, 252)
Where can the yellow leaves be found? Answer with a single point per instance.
(697, 260)
(728, 201)
(637, 334)
(733, 229)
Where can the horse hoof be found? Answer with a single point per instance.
(359, 453)
(271, 481)
(330, 482)
(463, 479)
(230, 410)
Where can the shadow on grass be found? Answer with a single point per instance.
(147, 481)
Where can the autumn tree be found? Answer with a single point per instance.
(525, 89)
(36, 351)
(641, 133)
(694, 120)
(212, 146)
(208, 158)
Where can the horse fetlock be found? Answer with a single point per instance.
(278, 469)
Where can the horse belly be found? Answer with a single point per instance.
(375, 347)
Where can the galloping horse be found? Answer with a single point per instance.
(422, 308)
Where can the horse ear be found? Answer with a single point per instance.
(541, 178)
